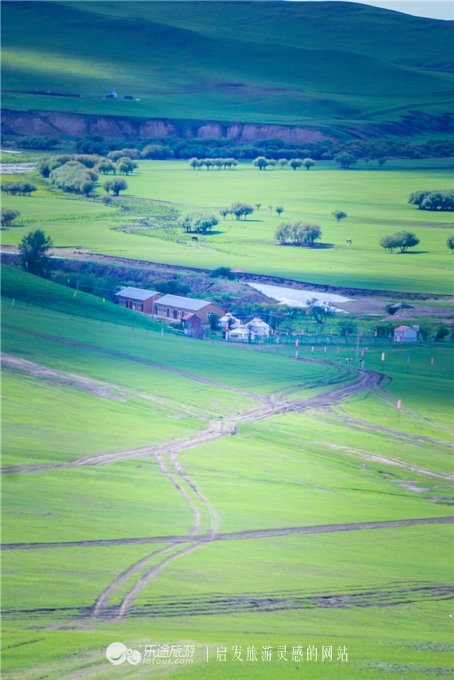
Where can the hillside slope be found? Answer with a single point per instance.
(282, 63)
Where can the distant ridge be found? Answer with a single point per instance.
(328, 65)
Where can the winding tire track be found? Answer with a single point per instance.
(366, 380)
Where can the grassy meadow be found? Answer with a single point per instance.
(374, 199)
(319, 467)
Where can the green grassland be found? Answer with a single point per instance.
(265, 64)
(283, 471)
(375, 201)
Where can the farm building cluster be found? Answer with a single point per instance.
(193, 314)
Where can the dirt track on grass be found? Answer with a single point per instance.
(235, 536)
(218, 428)
(145, 362)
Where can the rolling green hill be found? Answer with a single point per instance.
(287, 63)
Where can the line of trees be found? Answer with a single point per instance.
(238, 209)
(39, 143)
(218, 163)
(402, 240)
(18, 188)
(261, 162)
(297, 233)
(198, 222)
(433, 200)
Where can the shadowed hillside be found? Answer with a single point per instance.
(282, 63)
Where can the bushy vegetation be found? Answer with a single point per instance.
(8, 215)
(74, 177)
(402, 240)
(433, 200)
(198, 222)
(33, 251)
(298, 233)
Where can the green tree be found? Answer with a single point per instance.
(441, 333)
(115, 185)
(282, 162)
(279, 210)
(241, 210)
(382, 161)
(406, 240)
(450, 243)
(260, 162)
(203, 222)
(106, 166)
(8, 215)
(339, 215)
(283, 232)
(311, 233)
(346, 160)
(320, 311)
(258, 206)
(389, 243)
(295, 163)
(33, 253)
(115, 155)
(194, 163)
(308, 163)
(126, 165)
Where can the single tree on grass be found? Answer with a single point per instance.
(382, 161)
(282, 162)
(279, 210)
(308, 163)
(33, 252)
(8, 216)
(320, 311)
(115, 185)
(270, 207)
(258, 206)
(339, 215)
(450, 243)
(346, 160)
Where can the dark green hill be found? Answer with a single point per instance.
(273, 62)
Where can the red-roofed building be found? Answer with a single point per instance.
(193, 325)
(405, 334)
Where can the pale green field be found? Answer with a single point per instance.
(284, 471)
(375, 201)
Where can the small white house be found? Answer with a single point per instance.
(259, 328)
(229, 321)
(405, 334)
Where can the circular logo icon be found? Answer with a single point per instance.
(133, 656)
(116, 653)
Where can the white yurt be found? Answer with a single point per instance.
(259, 328)
(239, 333)
(229, 321)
